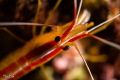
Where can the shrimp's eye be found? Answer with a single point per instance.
(66, 47)
(57, 38)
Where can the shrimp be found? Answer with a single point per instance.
(36, 53)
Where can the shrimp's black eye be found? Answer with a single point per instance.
(66, 47)
(57, 38)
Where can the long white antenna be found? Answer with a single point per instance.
(84, 62)
(80, 4)
(102, 23)
(106, 42)
(23, 23)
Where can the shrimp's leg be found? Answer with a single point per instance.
(13, 35)
(20, 23)
(36, 18)
(50, 15)
(44, 72)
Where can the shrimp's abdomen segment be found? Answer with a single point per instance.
(28, 62)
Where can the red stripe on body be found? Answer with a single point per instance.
(20, 63)
(47, 57)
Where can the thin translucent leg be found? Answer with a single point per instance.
(36, 18)
(84, 61)
(50, 15)
(13, 35)
(43, 71)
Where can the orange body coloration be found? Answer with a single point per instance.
(33, 58)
